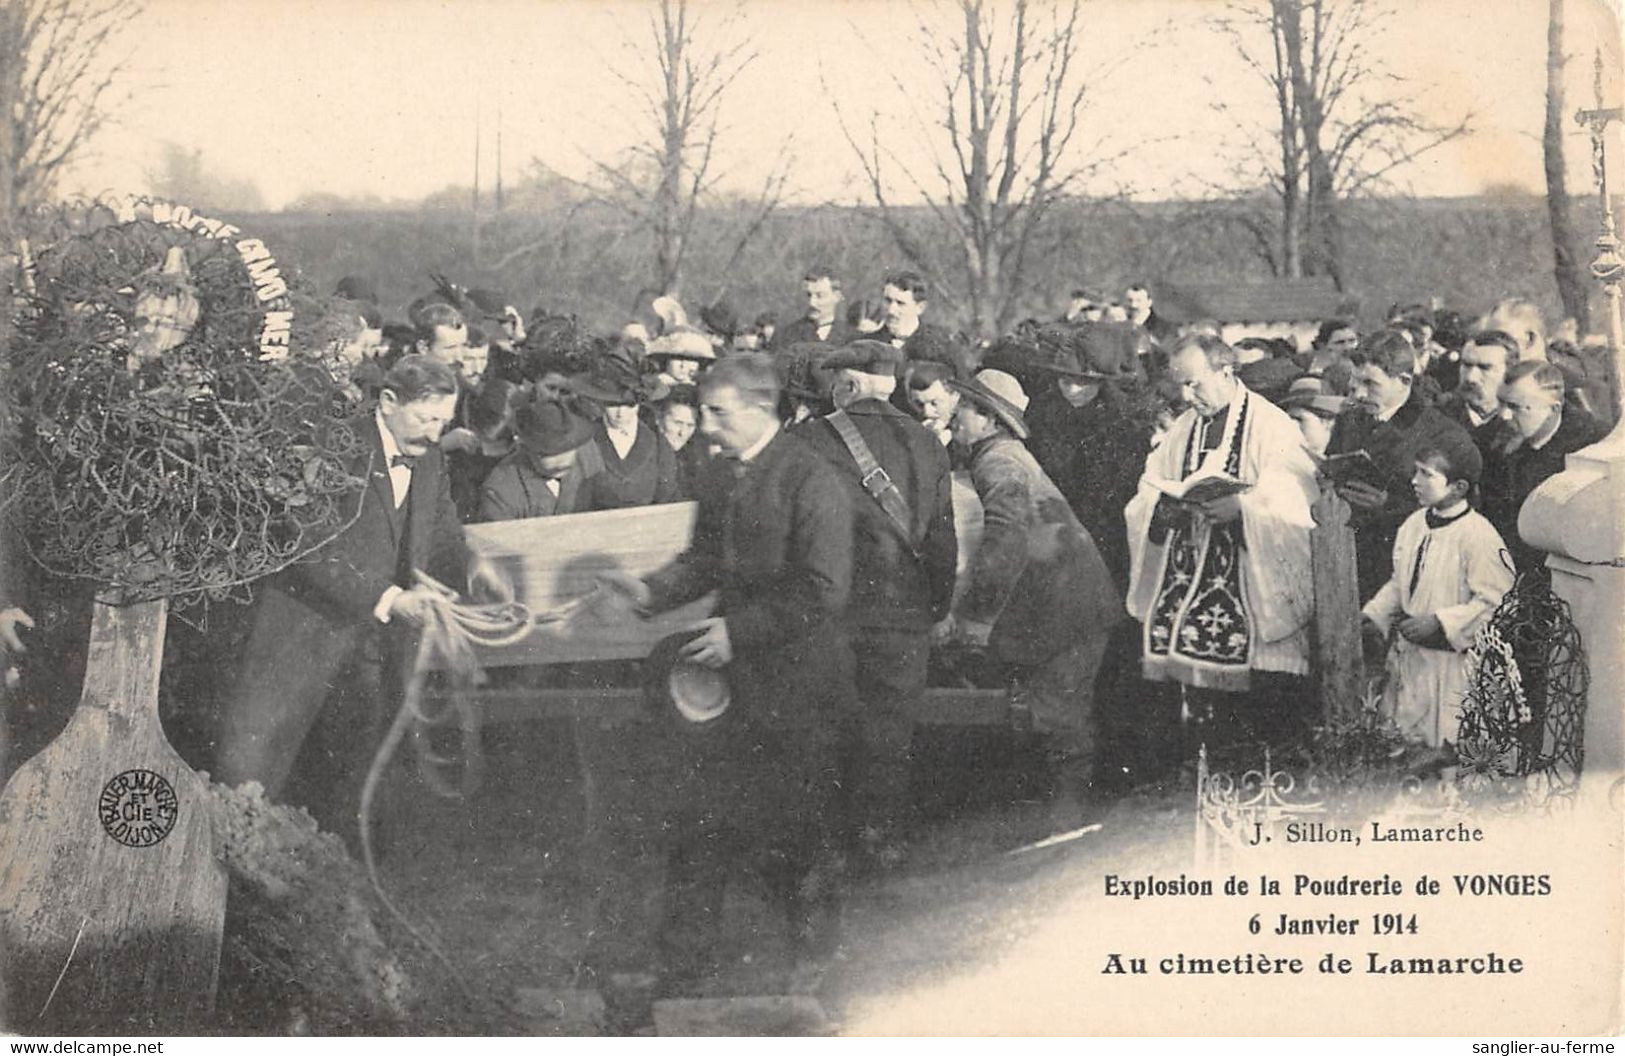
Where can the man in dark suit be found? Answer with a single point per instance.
(1390, 422)
(824, 322)
(904, 298)
(773, 536)
(326, 615)
(1141, 312)
(548, 472)
(904, 556)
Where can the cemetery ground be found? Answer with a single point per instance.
(508, 884)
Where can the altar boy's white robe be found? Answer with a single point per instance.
(1462, 577)
(1218, 601)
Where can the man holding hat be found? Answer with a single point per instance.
(1039, 598)
(546, 473)
(896, 476)
(773, 538)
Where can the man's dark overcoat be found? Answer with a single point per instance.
(1392, 446)
(891, 587)
(773, 537)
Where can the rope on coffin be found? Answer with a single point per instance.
(453, 630)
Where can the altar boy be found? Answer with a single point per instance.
(1451, 570)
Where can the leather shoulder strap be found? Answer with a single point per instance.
(874, 478)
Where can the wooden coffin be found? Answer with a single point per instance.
(553, 561)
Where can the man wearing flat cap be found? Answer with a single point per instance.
(896, 475)
(547, 472)
(1038, 598)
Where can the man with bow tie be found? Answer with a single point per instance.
(329, 621)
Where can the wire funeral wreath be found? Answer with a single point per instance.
(165, 443)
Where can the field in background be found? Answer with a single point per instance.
(586, 259)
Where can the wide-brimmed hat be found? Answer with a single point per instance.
(1310, 391)
(687, 694)
(547, 426)
(1098, 351)
(682, 343)
(999, 393)
(613, 379)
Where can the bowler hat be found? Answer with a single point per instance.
(999, 393)
(547, 426)
(689, 694)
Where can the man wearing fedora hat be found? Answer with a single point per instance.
(1038, 597)
(639, 468)
(547, 473)
(773, 538)
(904, 555)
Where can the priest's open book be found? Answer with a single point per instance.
(1199, 488)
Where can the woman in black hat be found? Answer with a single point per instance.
(640, 469)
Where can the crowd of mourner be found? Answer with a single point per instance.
(1144, 551)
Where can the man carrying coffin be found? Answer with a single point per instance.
(773, 537)
(1222, 584)
(904, 554)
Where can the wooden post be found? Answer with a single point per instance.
(111, 898)
(1338, 665)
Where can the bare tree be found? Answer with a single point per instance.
(697, 53)
(1342, 125)
(1567, 268)
(57, 75)
(1008, 104)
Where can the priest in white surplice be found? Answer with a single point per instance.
(1223, 588)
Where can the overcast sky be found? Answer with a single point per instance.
(379, 97)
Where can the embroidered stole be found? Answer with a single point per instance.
(1198, 630)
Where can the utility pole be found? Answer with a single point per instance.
(474, 216)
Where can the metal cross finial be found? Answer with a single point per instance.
(1609, 266)
(1597, 120)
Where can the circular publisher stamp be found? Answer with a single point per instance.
(138, 808)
